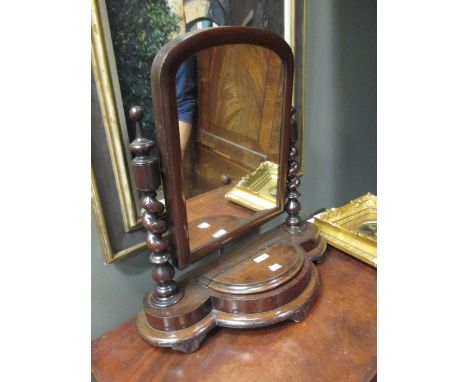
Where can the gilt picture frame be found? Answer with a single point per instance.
(352, 228)
(114, 196)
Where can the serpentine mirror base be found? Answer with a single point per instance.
(265, 281)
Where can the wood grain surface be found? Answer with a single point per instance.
(209, 207)
(240, 103)
(336, 342)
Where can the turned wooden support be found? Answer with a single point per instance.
(148, 180)
(293, 223)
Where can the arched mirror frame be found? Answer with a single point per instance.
(163, 74)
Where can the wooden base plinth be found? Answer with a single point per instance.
(268, 280)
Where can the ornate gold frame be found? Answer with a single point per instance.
(340, 228)
(252, 191)
(105, 75)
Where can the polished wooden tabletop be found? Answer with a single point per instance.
(336, 342)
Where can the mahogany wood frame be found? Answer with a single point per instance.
(163, 73)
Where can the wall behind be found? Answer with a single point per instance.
(340, 139)
(340, 132)
(116, 289)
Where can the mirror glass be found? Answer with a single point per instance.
(229, 105)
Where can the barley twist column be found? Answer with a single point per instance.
(148, 180)
(293, 223)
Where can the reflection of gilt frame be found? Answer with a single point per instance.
(105, 75)
(257, 191)
(352, 228)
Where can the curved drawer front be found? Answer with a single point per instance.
(262, 271)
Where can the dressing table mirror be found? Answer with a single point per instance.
(228, 163)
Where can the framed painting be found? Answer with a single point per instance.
(352, 228)
(126, 35)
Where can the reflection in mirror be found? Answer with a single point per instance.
(229, 101)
